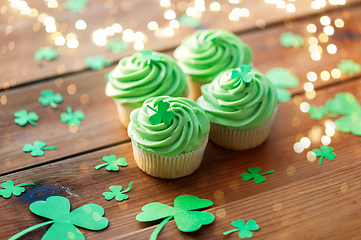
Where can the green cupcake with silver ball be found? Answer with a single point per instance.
(143, 75)
(169, 136)
(241, 105)
(206, 53)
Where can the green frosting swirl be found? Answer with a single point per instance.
(238, 105)
(136, 79)
(206, 53)
(184, 134)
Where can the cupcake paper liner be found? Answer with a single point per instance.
(194, 88)
(169, 167)
(241, 139)
(124, 114)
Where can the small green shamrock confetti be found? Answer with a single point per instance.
(72, 118)
(116, 192)
(289, 39)
(325, 151)
(349, 66)
(37, 148)
(161, 115)
(22, 117)
(9, 189)
(48, 53)
(189, 21)
(48, 97)
(146, 55)
(112, 163)
(255, 174)
(346, 104)
(185, 219)
(318, 112)
(244, 229)
(75, 5)
(116, 45)
(282, 78)
(106, 76)
(56, 208)
(97, 62)
(243, 75)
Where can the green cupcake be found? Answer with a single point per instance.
(169, 136)
(241, 105)
(206, 53)
(141, 76)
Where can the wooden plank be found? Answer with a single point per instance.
(102, 120)
(26, 69)
(217, 179)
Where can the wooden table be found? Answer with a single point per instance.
(301, 200)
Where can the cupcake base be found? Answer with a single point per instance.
(194, 88)
(124, 114)
(241, 139)
(169, 167)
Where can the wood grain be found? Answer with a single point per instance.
(101, 114)
(20, 66)
(296, 184)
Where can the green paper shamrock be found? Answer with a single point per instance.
(48, 53)
(346, 104)
(56, 208)
(116, 45)
(112, 163)
(282, 78)
(9, 189)
(106, 76)
(75, 5)
(22, 117)
(255, 174)
(48, 97)
(97, 62)
(161, 115)
(289, 39)
(72, 118)
(37, 148)
(243, 75)
(147, 56)
(189, 21)
(185, 219)
(349, 66)
(116, 192)
(244, 229)
(318, 112)
(325, 151)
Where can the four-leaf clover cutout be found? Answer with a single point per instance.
(37, 148)
(72, 118)
(146, 55)
(243, 228)
(22, 117)
(48, 53)
(243, 75)
(349, 66)
(254, 173)
(325, 151)
(97, 62)
(56, 208)
(162, 114)
(9, 189)
(112, 163)
(289, 39)
(116, 191)
(48, 97)
(185, 218)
